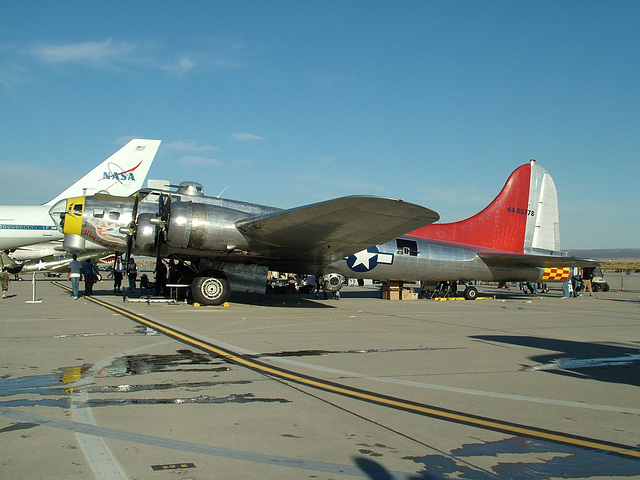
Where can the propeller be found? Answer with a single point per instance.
(161, 222)
(130, 231)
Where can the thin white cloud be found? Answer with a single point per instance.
(206, 56)
(92, 53)
(182, 66)
(246, 137)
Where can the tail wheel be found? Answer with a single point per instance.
(210, 290)
(470, 293)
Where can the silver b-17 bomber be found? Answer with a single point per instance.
(227, 243)
(223, 244)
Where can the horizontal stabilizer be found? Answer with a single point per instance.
(339, 227)
(541, 261)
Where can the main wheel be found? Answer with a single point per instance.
(210, 290)
(470, 293)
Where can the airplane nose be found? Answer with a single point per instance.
(58, 212)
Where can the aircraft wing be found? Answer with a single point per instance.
(336, 228)
(542, 261)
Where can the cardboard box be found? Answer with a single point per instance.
(390, 294)
(407, 294)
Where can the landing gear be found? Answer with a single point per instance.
(470, 293)
(210, 288)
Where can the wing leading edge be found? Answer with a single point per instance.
(336, 228)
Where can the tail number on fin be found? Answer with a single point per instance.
(521, 211)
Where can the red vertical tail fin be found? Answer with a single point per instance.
(502, 225)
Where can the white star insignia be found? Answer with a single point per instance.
(364, 258)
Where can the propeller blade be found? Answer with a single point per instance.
(132, 226)
(161, 227)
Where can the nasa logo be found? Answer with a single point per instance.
(368, 259)
(119, 174)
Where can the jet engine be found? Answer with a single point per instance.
(204, 227)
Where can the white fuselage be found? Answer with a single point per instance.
(22, 225)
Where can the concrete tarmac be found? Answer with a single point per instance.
(273, 387)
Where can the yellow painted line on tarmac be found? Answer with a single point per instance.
(376, 398)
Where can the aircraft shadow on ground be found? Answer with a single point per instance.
(262, 300)
(604, 363)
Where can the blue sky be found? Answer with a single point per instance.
(288, 103)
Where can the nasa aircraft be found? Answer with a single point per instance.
(226, 243)
(123, 173)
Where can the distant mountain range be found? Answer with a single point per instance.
(608, 253)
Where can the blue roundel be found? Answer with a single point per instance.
(364, 260)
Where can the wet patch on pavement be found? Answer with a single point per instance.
(182, 361)
(315, 353)
(233, 398)
(552, 460)
(56, 390)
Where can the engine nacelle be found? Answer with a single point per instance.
(332, 282)
(145, 239)
(204, 227)
(74, 243)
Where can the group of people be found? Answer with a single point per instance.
(88, 272)
(579, 284)
(121, 268)
(77, 272)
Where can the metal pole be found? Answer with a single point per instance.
(33, 289)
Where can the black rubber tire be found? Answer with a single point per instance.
(210, 290)
(470, 293)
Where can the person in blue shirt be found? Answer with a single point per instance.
(90, 273)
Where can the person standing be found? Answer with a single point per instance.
(118, 270)
(90, 272)
(161, 278)
(132, 272)
(576, 281)
(4, 281)
(74, 275)
(587, 276)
